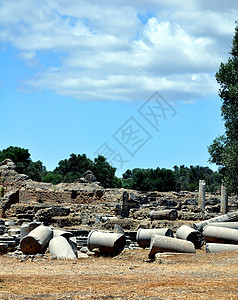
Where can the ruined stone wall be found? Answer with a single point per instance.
(57, 197)
(9, 178)
(26, 196)
(40, 192)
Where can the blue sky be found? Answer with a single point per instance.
(74, 76)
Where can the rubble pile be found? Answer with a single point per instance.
(87, 203)
(73, 220)
(37, 240)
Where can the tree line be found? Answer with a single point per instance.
(74, 167)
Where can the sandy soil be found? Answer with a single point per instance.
(127, 276)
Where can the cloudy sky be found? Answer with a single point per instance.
(131, 80)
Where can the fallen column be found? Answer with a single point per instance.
(232, 225)
(27, 228)
(187, 233)
(215, 234)
(143, 236)
(167, 244)
(108, 243)
(216, 247)
(167, 214)
(60, 248)
(36, 241)
(230, 217)
(72, 240)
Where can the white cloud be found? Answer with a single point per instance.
(110, 54)
(29, 57)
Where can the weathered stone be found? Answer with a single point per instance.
(66, 221)
(187, 233)
(14, 232)
(27, 228)
(45, 215)
(10, 241)
(128, 202)
(201, 196)
(88, 175)
(36, 240)
(171, 214)
(3, 229)
(60, 248)
(117, 209)
(3, 248)
(167, 244)
(84, 250)
(8, 199)
(84, 255)
(109, 243)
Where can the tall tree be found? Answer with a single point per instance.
(149, 179)
(20, 156)
(187, 178)
(24, 165)
(105, 173)
(74, 167)
(224, 149)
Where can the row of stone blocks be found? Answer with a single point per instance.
(8, 241)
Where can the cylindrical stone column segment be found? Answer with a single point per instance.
(61, 249)
(216, 247)
(201, 195)
(187, 233)
(160, 243)
(215, 234)
(36, 241)
(230, 217)
(27, 228)
(108, 243)
(143, 236)
(224, 199)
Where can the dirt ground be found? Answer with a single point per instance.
(128, 276)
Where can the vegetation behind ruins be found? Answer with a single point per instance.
(74, 167)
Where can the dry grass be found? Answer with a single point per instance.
(127, 276)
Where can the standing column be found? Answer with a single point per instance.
(201, 196)
(224, 199)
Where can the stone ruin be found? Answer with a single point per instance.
(85, 205)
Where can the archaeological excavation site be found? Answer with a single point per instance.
(113, 234)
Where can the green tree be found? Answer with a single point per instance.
(52, 178)
(35, 170)
(224, 149)
(24, 165)
(20, 156)
(187, 179)
(105, 173)
(149, 179)
(73, 168)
